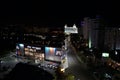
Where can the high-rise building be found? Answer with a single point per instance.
(112, 38)
(99, 34)
(90, 33)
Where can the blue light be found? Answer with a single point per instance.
(46, 50)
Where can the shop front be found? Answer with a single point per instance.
(31, 52)
(34, 53)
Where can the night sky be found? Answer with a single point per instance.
(57, 13)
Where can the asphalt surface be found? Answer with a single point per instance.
(76, 67)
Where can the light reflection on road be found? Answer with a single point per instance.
(77, 68)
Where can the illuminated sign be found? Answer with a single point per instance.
(20, 49)
(73, 29)
(58, 53)
(105, 54)
(53, 54)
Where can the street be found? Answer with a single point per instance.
(77, 68)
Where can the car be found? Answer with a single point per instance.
(54, 67)
(49, 66)
(39, 65)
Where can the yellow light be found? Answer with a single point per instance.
(62, 69)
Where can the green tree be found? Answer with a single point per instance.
(59, 74)
(70, 77)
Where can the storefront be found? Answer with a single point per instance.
(34, 53)
(29, 51)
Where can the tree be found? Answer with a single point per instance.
(59, 73)
(70, 77)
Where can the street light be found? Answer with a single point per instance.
(116, 52)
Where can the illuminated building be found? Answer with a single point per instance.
(99, 34)
(32, 51)
(53, 54)
(112, 38)
(88, 26)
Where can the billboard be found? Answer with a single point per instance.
(53, 54)
(105, 55)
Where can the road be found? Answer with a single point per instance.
(76, 67)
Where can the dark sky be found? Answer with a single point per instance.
(58, 13)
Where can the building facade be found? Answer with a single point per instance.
(99, 34)
(90, 33)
